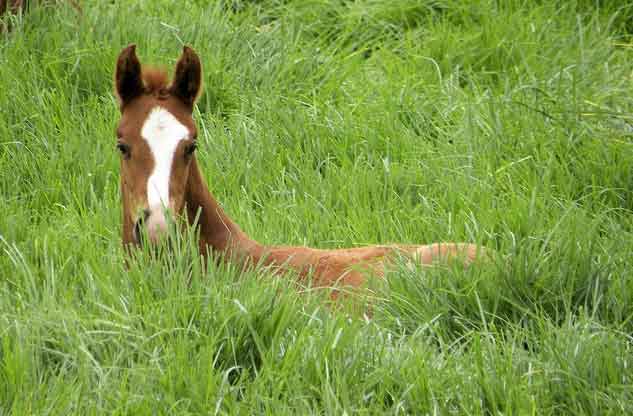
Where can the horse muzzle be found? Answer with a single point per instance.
(151, 225)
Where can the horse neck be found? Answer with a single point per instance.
(218, 232)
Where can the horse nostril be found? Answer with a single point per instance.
(138, 226)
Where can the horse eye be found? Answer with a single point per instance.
(124, 149)
(190, 149)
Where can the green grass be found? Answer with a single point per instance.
(332, 124)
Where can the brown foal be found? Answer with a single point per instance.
(160, 177)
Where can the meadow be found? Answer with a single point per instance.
(330, 124)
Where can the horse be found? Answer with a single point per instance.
(160, 181)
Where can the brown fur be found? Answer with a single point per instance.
(155, 80)
(218, 233)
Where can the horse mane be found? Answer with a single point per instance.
(155, 80)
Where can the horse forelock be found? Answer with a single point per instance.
(155, 81)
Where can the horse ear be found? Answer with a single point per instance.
(128, 79)
(188, 77)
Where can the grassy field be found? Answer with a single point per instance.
(332, 124)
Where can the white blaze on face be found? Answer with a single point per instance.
(162, 132)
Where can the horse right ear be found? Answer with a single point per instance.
(128, 82)
(188, 77)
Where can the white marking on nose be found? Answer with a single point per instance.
(162, 132)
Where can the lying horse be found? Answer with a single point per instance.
(160, 177)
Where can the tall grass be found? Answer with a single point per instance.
(329, 124)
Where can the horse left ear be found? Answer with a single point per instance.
(127, 78)
(188, 77)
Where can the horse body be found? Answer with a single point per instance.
(345, 266)
(159, 174)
